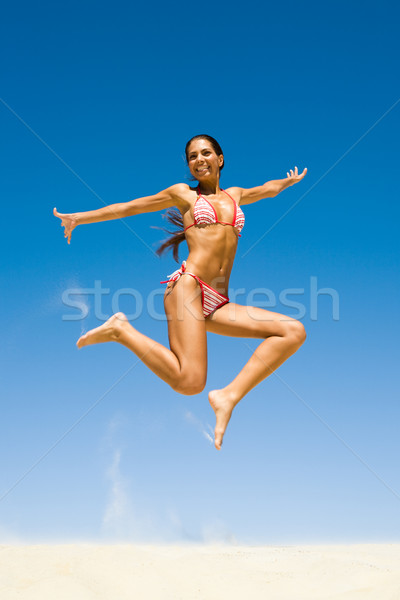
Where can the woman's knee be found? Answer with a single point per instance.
(295, 331)
(189, 385)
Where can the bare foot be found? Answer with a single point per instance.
(108, 332)
(222, 404)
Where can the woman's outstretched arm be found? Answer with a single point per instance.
(270, 189)
(172, 196)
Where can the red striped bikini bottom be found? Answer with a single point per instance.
(210, 298)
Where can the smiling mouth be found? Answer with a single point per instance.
(202, 169)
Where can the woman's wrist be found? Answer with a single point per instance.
(285, 183)
(106, 213)
(276, 186)
(78, 218)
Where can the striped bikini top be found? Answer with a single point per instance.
(205, 214)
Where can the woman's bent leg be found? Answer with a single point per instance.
(283, 336)
(184, 366)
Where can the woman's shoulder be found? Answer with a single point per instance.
(183, 194)
(182, 187)
(235, 192)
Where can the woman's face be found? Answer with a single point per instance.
(203, 161)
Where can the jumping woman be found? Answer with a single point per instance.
(196, 299)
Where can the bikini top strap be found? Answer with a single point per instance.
(234, 209)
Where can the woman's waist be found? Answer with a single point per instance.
(215, 275)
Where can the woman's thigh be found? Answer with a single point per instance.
(186, 326)
(249, 321)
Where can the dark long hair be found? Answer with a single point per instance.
(173, 215)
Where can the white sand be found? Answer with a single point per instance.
(119, 572)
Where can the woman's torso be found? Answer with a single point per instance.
(212, 246)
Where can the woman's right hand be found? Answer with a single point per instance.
(69, 222)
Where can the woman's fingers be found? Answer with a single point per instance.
(295, 173)
(59, 215)
(65, 222)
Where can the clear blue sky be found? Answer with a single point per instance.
(114, 91)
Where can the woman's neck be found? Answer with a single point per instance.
(209, 187)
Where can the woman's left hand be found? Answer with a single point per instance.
(294, 176)
(68, 221)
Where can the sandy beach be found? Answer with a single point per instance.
(119, 572)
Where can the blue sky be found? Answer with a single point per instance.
(97, 103)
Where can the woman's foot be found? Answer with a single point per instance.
(108, 332)
(222, 404)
